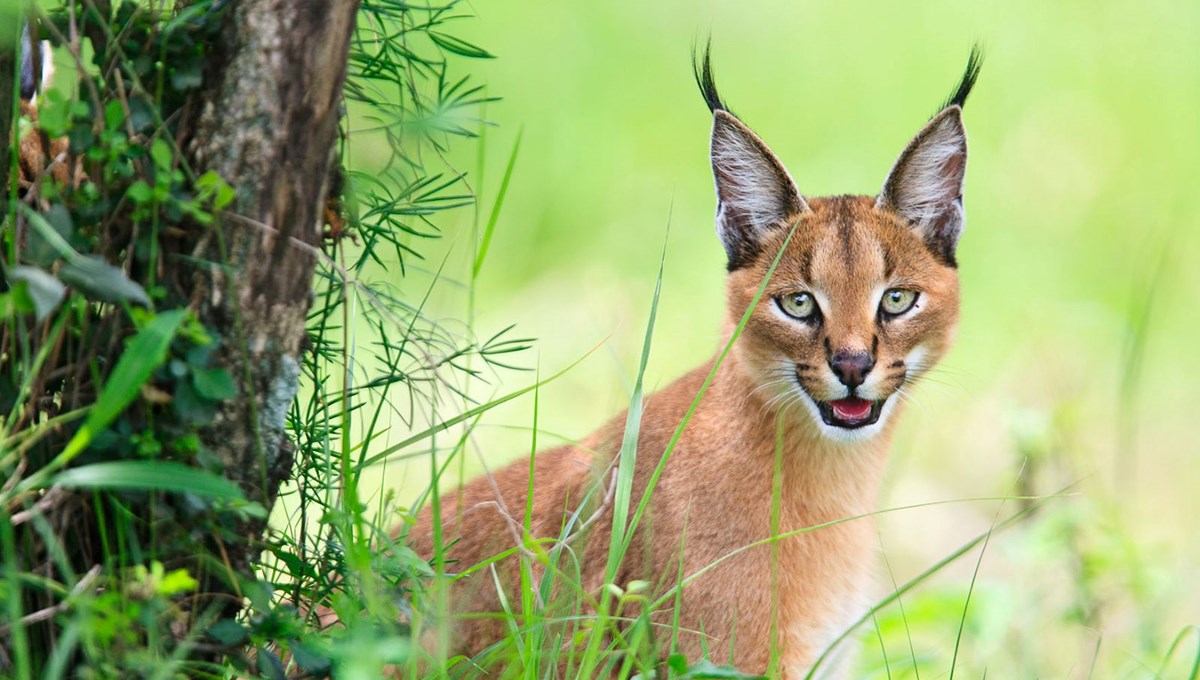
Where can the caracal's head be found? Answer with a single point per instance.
(864, 296)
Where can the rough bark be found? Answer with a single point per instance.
(268, 126)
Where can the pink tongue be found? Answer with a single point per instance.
(851, 409)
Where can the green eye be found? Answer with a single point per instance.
(799, 305)
(898, 301)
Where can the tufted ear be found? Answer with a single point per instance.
(925, 185)
(754, 191)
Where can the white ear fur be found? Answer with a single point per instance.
(925, 185)
(754, 190)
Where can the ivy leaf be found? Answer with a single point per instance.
(100, 281)
(44, 290)
(214, 384)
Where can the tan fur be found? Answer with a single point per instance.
(40, 155)
(716, 491)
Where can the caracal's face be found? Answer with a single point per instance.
(864, 296)
(857, 309)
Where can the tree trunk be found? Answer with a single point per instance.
(268, 124)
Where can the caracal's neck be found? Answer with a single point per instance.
(818, 472)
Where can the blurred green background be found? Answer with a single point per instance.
(1076, 359)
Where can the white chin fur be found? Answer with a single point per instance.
(841, 434)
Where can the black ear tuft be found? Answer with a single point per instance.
(974, 62)
(702, 67)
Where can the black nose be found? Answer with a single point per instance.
(851, 367)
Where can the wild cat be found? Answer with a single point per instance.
(792, 432)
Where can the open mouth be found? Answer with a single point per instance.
(850, 413)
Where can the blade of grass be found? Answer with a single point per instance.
(912, 650)
(1137, 336)
(18, 639)
(773, 666)
(626, 463)
(1195, 671)
(887, 667)
(148, 475)
(529, 599)
(490, 228)
(627, 455)
(962, 621)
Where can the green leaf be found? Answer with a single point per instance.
(94, 277)
(210, 185)
(160, 151)
(54, 115)
(269, 664)
(458, 46)
(114, 115)
(174, 582)
(707, 669)
(214, 384)
(142, 355)
(37, 249)
(296, 567)
(309, 659)
(191, 406)
(100, 281)
(44, 290)
(140, 192)
(228, 632)
(148, 475)
(16, 302)
(50, 233)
